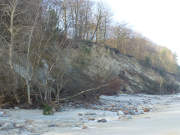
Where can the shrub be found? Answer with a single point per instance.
(148, 62)
(47, 109)
(85, 49)
(170, 87)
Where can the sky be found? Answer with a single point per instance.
(158, 20)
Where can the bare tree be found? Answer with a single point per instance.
(98, 22)
(65, 16)
(28, 55)
(11, 9)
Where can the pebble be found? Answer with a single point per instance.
(16, 108)
(84, 127)
(129, 117)
(140, 112)
(132, 112)
(126, 112)
(146, 109)
(120, 113)
(90, 114)
(52, 125)
(29, 122)
(102, 121)
(80, 114)
(19, 125)
(1, 114)
(7, 126)
(91, 119)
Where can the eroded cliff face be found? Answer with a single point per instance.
(90, 66)
(73, 70)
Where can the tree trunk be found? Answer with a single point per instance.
(11, 29)
(28, 91)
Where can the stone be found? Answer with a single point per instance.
(140, 112)
(4, 114)
(80, 114)
(29, 122)
(102, 121)
(132, 112)
(126, 112)
(84, 127)
(110, 109)
(129, 117)
(52, 125)
(120, 117)
(19, 125)
(94, 108)
(81, 119)
(147, 117)
(120, 113)
(91, 119)
(7, 126)
(16, 108)
(113, 105)
(1, 114)
(146, 109)
(90, 113)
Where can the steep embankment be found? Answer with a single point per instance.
(57, 73)
(90, 66)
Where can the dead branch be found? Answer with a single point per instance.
(82, 92)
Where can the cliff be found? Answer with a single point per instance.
(64, 72)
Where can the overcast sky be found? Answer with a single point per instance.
(158, 20)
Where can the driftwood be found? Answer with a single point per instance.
(82, 92)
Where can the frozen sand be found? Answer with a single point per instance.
(155, 123)
(165, 120)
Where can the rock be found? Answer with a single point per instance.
(7, 126)
(1, 114)
(126, 112)
(113, 105)
(29, 122)
(80, 114)
(81, 119)
(33, 130)
(4, 114)
(16, 108)
(19, 125)
(147, 117)
(120, 113)
(120, 118)
(110, 109)
(102, 121)
(94, 108)
(129, 117)
(140, 112)
(52, 125)
(54, 110)
(84, 127)
(90, 113)
(91, 119)
(132, 112)
(146, 109)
